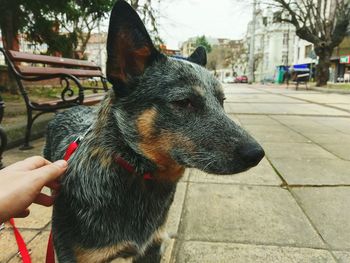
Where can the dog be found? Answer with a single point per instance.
(162, 115)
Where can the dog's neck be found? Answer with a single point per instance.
(109, 141)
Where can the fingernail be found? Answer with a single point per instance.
(61, 163)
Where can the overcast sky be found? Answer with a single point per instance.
(181, 19)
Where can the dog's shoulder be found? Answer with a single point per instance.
(65, 127)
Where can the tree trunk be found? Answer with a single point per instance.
(10, 41)
(322, 68)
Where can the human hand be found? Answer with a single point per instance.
(21, 184)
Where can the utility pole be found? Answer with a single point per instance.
(252, 46)
(287, 62)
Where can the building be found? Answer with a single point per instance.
(96, 49)
(25, 46)
(274, 45)
(340, 66)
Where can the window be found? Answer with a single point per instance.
(284, 58)
(285, 39)
(308, 50)
(266, 60)
(298, 52)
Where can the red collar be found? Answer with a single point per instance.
(128, 167)
(119, 160)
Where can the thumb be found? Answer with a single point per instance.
(51, 171)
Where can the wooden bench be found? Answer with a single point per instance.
(27, 68)
(300, 77)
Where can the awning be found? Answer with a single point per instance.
(301, 66)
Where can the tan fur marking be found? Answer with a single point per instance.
(102, 156)
(157, 148)
(101, 255)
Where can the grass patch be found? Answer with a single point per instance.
(45, 92)
(344, 86)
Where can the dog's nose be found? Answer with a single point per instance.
(252, 154)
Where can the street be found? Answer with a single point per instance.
(293, 207)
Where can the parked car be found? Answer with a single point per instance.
(229, 80)
(241, 79)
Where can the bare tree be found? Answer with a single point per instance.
(232, 56)
(323, 23)
(148, 13)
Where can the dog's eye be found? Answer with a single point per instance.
(185, 103)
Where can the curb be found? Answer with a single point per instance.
(327, 90)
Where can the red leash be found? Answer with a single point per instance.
(22, 248)
(50, 252)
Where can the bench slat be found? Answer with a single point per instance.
(33, 58)
(41, 71)
(89, 100)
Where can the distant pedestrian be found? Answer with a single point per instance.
(286, 77)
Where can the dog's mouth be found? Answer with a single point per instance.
(210, 164)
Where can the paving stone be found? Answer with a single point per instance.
(344, 106)
(329, 210)
(259, 97)
(275, 134)
(254, 214)
(341, 149)
(342, 256)
(38, 248)
(305, 125)
(328, 138)
(15, 155)
(205, 252)
(257, 120)
(8, 245)
(313, 171)
(280, 109)
(39, 217)
(339, 124)
(262, 174)
(240, 89)
(298, 151)
(323, 97)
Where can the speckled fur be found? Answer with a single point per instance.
(165, 119)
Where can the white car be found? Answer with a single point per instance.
(229, 80)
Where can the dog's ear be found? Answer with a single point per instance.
(129, 47)
(199, 56)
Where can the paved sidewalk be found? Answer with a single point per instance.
(293, 207)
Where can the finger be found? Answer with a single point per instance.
(50, 172)
(35, 162)
(22, 214)
(43, 199)
(30, 163)
(55, 185)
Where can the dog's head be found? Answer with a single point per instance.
(171, 110)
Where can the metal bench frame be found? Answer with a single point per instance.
(68, 98)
